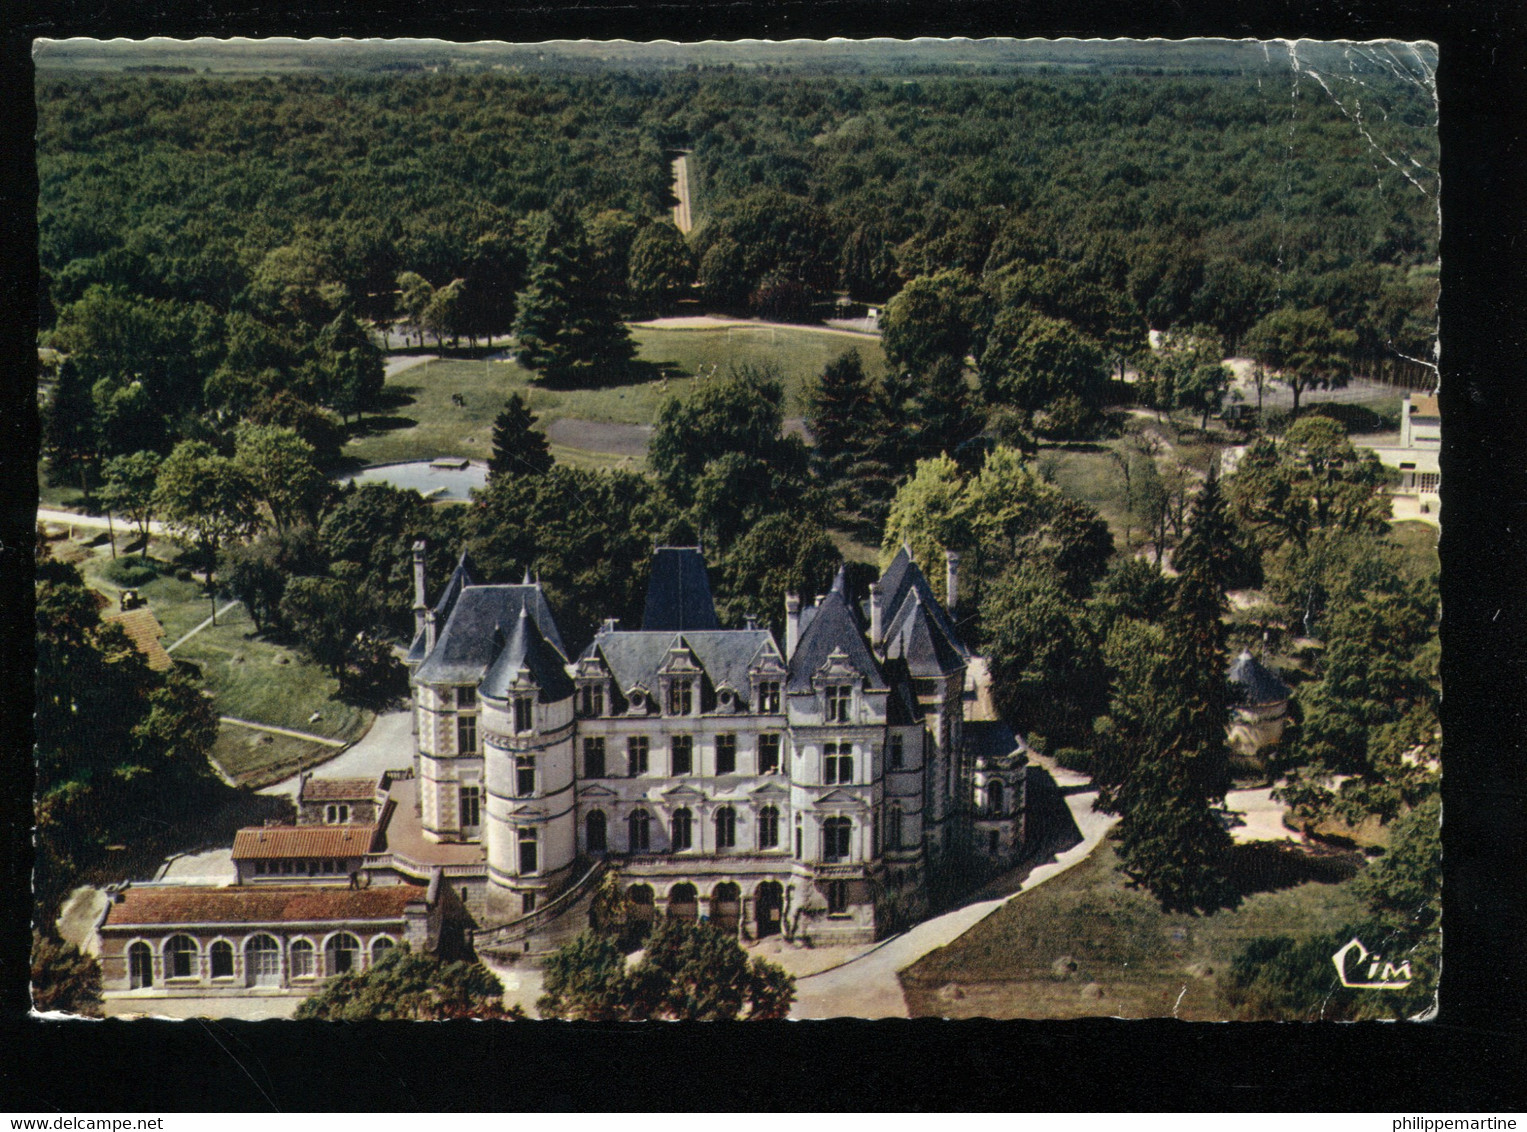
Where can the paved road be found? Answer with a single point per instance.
(199, 628)
(868, 988)
(389, 745)
(308, 735)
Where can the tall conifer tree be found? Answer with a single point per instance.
(519, 448)
(567, 326)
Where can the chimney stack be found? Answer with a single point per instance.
(877, 628)
(792, 623)
(952, 580)
(421, 602)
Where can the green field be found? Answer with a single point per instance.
(249, 677)
(257, 758)
(1418, 542)
(424, 423)
(1034, 956)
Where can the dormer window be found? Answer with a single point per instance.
(591, 703)
(638, 702)
(524, 716)
(727, 700)
(681, 697)
(466, 698)
(838, 697)
(768, 697)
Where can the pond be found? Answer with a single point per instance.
(444, 480)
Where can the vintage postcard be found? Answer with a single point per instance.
(629, 531)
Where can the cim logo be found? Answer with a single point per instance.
(1380, 975)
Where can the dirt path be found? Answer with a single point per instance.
(723, 322)
(681, 214)
(97, 522)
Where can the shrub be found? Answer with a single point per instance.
(129, 573)
(1074, 758)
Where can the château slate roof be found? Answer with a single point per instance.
(1257, 684)
(993, 741)
(466, 645)
(275, 841)
(904, 577)
(678, 592)
(527, 650)
(201, 904)
(726, 655)
(460, 579)
(915, 635)
(832, 628)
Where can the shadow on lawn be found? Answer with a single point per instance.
(1267, 866)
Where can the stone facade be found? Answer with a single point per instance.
(809, 790)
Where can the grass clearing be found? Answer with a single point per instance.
(249, 676)
(426, 423)
(1089, 474)
(1418, 543)
(1035, 956)
(254, 759)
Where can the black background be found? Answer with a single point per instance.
(1472, 1058)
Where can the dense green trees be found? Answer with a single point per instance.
(406, 985)
(567, 326)
(64, 978)
(687, 972)
(1162, 763)
(121, 749)
(1303, 350)
(661, 270)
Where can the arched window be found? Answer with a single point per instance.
(302, 959)
(994, 798)
(768, 827)
(683, 902)
(262, 961)
(380, 946)
(180, 957)
(140, 966)
(222, 959)
(683, 836)
(835, 836)
(640, 895)
(893, 827)
(594, 831)
(640, 830)
(726, 828)
(342, 953)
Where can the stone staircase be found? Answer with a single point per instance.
(541, 932)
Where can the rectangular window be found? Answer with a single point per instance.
(636, 755)
(683, 754)
(471, 806)
(530, 845)
(838, 699)
(466, 697)
(895, 755)
(466, 735)
(680, 698)
(768, 754)
(837, 763)
(768, 697)
(528, 903)
(524, 719)
(524, 776)
(593, 700)
(837, 897)
(593, 758)
(726, 754)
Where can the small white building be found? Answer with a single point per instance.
(1416, 457)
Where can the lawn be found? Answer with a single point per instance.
(249, 677)
(1083, 944)
(425, 423)
(257, 758)
(1089, 474)
(1418, 544)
